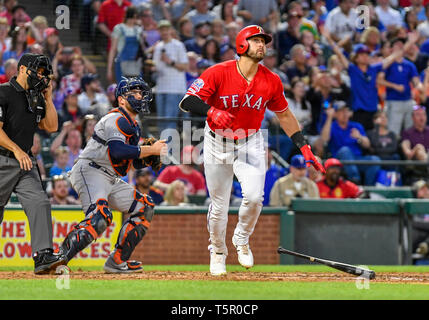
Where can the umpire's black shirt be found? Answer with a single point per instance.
(19, 121)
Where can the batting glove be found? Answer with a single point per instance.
(219, 117)
(310, 159)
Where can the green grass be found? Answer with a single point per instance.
(43, 288)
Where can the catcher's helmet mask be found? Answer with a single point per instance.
(246, 33)
(37, 80)
(127, 88)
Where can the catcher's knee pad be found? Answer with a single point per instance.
(142, 203)
(133, 230)
(87, 230)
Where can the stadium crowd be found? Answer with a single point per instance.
(359, 85)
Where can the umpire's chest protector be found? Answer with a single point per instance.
(131, 130)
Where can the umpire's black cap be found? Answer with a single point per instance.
(29, 58)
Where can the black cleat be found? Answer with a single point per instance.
(46, 261)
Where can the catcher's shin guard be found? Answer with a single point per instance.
(87, 230)
(134, 228)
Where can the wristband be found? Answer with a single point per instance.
(298, 139)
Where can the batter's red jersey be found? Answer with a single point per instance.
(344, 189)
(221, 86)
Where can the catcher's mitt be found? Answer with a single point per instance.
(153, 161)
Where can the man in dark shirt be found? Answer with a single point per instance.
(144, 179)
(25, 104)
(415, 140)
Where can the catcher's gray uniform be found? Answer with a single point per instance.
(96, 178)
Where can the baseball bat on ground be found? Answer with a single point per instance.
(354, 270)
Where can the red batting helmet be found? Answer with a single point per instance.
(250, 31)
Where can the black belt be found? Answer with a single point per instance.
(10, 154)
(225, 140)
(97, 166)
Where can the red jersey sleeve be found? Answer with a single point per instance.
(278, 102)
(205, 85)
(352, 190)
(101, 14)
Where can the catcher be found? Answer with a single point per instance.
(109, 154)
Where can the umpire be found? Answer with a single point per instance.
(25, 104)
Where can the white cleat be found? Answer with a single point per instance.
(245, 256)
(217, 264)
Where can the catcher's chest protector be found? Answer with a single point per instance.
(131, 130)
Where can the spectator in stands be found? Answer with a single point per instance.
(88, 124)
(227, 52)
(371, 38)
(257, 12)
(125, 58)
(72, 81)
(294, 185)
(423, 27)
(201, 13)
(347, 140)
(410, 20)
(363, 76)
(312, 48)
(341, 22)
(150, 32)
(36, 150)
(60, 192)
(5, 40)
(192, 72)
(51, 43)
(299, 104)
(111, 13)
(415, 140)
(159, 10)
(20, 18)
(37, 30)
(193, 179)
(397, 78)
(211, 51)
(201, 33)
(298, 66)
(232, 30)
(186, 29)
(144, 179)
(10, 70)
(334, 186)
(218, 32)
(70, 110)
(417, 7)
(270, 61)
(171, 62)
(289, 37)
(388, 16)
(60, 165)
(413, 54)
(321, 95)
(228, 11)
(92, 99)
(7, 13)
(111, 95)
(384, 143)
(18, 46)
(73, 141)
(179, 9)
(175, 194)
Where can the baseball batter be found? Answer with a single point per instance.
(96, 178)
(234, 95)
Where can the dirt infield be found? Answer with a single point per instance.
(382, 277)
